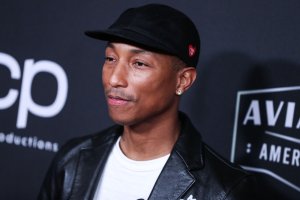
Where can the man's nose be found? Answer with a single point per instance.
(118, 76)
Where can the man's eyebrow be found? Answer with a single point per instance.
(139, 51)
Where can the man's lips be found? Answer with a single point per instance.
(117, 97)
(116, 100)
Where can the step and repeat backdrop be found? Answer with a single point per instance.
(245, 102)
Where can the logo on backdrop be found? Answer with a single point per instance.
(266, 134)
(26, 104)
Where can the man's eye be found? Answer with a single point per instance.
(109, 59)
(139, 64)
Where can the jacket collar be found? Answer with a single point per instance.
(91, 163)
(185, 157)
(189, 144)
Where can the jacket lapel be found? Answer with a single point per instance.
(176, 178)
(173, 181)
(89, 169)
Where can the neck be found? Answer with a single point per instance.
(152, 139)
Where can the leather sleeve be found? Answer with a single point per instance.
(58, 182)
(51, 188)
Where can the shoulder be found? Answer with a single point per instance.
(214, 163)
(223, 179)
(214, 176)
(70, 150)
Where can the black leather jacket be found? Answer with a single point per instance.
(192, 172)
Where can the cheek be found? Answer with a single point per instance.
(105, 76)
(155, 89)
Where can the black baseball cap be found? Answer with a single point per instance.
(157, 27)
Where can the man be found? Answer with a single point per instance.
(154, 152)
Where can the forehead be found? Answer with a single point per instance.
(137, 49)
(128, 50)
(134, 49)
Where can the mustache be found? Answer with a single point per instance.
(119, 93)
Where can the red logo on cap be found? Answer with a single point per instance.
(192, 50)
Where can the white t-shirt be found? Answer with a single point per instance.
(126, 179)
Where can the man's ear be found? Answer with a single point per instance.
(185, 79)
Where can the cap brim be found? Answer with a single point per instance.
(131, 37)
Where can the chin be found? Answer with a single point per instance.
(120, 118)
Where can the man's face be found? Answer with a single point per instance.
(140, 85)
